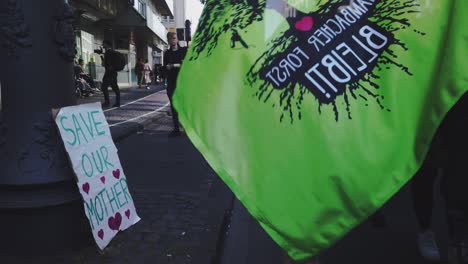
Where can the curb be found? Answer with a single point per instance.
(223, 228)
(121, 132)
(220, 204)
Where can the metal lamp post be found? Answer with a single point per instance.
(40, 207)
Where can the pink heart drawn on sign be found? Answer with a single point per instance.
(101, 234)
(103, 179)
(305, 24)
(86, 188)
(116, 173)
(127, 213)
(114, 222)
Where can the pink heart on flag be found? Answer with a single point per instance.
(101, 234)
(103, 179)
(86, 188)
(127, 213)
(305, 24)
(116, 173)
(114, 222)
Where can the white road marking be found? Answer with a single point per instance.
(131, 119)
(134, 101)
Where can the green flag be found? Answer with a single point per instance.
(315, 113)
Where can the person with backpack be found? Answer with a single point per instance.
(113, 62)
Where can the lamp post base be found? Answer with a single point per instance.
(46, 230)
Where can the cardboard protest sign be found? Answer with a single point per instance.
(100, 177)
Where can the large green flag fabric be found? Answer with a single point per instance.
(316, 112)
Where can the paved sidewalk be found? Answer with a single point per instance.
(181, 201)
(134, 102)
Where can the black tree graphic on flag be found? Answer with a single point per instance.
(341, 47)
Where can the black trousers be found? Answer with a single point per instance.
(449, 151)
(455, 167)
(110, 79)
(170, 92)
(89, 80)
(422, 192)
(140, 78)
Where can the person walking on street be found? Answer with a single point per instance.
(147, 74)
(157, 73)
(448, 151)
(422, 192)
(110, 75)
(454, 182)
(139, 71)
(173, 58)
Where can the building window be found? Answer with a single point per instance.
(167, 19)
(140, 6)
(108, 6)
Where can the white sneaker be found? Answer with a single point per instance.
(427, 246)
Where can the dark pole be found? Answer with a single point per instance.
(40, 207)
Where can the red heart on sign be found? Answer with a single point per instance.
(86, 188)
(103, 179)
(305, 24)
(127, 213)
(101, 234)
(114, 222)
(116, 173)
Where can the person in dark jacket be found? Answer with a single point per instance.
(454, 134)
(110, 76)
(139, 71)
(173, 58)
